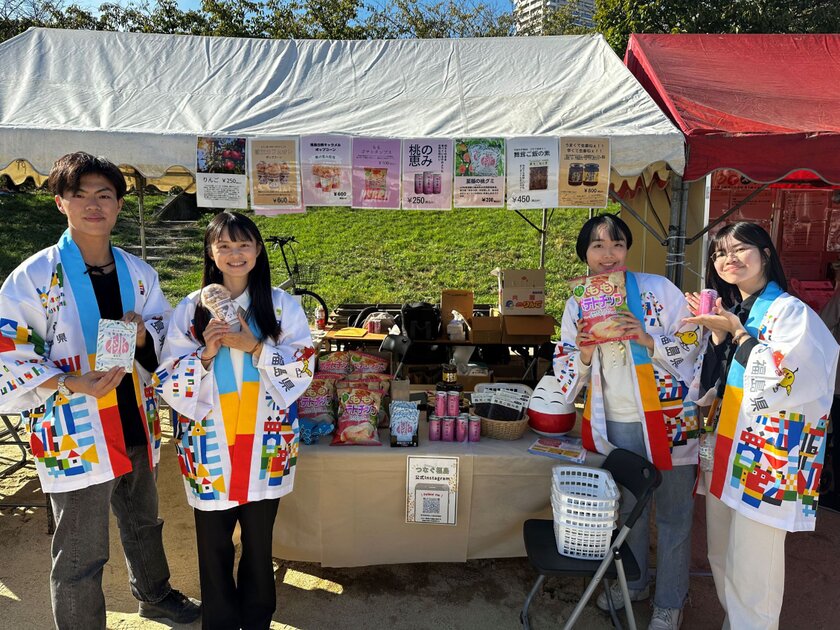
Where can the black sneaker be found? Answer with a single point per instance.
(176, 607)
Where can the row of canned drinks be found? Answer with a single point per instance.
(461, 428)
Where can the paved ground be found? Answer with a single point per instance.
(477, 594)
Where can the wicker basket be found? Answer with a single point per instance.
(504, 429)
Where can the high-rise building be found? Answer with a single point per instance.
(530, 13)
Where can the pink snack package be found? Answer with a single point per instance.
(358, 410)
(335, 362)
(363, 362)
(600, 297)
(318, 401)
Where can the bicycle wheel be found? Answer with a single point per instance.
(310, 301)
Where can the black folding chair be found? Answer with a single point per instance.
(641, 478)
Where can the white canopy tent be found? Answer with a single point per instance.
(141, 99)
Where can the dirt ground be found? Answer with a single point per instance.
(475, 594)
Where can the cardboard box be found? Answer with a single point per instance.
(470, 381)
(527, 329)
(485, 330)
(521, 291)
(455, 300)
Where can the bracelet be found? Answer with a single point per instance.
(254, 349)
(204, 358)
(738, 336)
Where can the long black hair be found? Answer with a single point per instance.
(617, 230)
(240, 228)
(749, 234)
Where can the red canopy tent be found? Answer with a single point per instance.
(764, 105)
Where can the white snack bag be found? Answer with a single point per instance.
(115, 345)
(216, 299)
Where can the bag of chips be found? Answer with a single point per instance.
(311, 430)
(363, 362)
(600, 297)
(358, 409)
(335, 362)
(318, 401)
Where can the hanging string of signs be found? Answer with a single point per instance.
(288, 173)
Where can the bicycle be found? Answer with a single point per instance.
(300, 274)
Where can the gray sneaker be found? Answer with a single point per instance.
(618, 599)
(666, 618)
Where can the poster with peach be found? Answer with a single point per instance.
(600, 298)
(220, 172)
(479, 173)
(275, 176)
(376, 173)
(326, 167)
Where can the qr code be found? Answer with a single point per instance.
(431, 505)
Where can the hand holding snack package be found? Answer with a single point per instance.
(116, 342)
(216, 299)
(601, 297)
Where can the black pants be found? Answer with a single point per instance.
(250, 601)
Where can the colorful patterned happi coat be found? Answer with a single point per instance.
(49, 319)
(236, 444)
(669, 420)
(774, 415)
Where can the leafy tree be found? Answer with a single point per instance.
(433, 20)
(617, 19)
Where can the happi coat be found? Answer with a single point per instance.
(49, 319)
(669, 419)
(236, 444)
(771, 431)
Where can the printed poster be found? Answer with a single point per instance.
(479, 173)
(220, 178)
(584, 172)
(376, 173)
(275, 176)
(427, 174)
(432, 490)
(533, 168)
(326, 170)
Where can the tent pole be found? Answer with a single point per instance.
(543, 231)
(140, 185)
(671, 266)
(680, 239)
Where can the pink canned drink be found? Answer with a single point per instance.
(418, 183)
(434, 429)
(453, 403)
(440, 403)
(708, 297)
(475, 429)
(436, 184)
(462, 427)
(447, 429)
(428, 182)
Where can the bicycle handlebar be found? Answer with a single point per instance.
(280, 240)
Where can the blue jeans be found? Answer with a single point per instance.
(674, 502)
(80, 546)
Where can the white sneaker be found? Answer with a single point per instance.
(618, 599)
(666, 618)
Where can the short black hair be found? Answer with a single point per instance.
(616, 228)
(751, 234)
(68, 170)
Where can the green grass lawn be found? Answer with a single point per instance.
(363, 255)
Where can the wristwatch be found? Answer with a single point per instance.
(62, 388)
